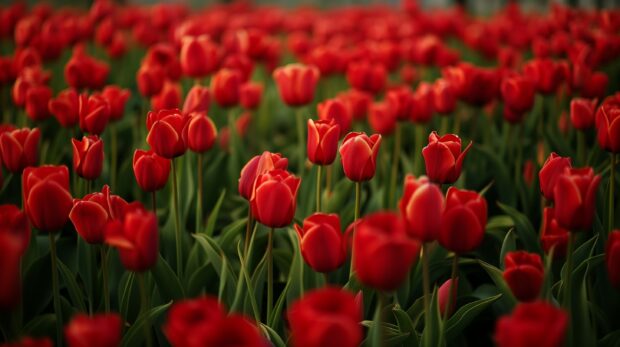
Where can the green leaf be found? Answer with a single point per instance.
(524, 229)
(167, 281)
(433, 325)
(77, 297)
(406, 326)
(465, 315)
(273, 336)
(41, 325)
(248, 282)
(498, 278)
(509, 245)
(216, 257)
(214, 214)
(125, 293)
(135, 334)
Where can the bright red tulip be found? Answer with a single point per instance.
(90, 214)
(19, 148)
(612, 258)
(168, 98)
(422, 207)
(151, 170)
(552, 235)
(464, 221)
(197, 100)
(532, 324)
(296, 83)
(524, 274)
(548, 175)
(608, 125)
(225, 85)
(100, 330)
(382, 118)
(88, 157)
(575, 198)
(117, 98)
(94, 113)
(257, 166)
(200, 133)
(274, 198)
(66, 107)
(358, 154)
(443, 157)
(199, 56)
(250, 94)
(366, 76)
(165, 129)
(322, 242)
(46, 196)
(323, 138)
(337, 110)
(37, 98)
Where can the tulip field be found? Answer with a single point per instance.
(362, 175)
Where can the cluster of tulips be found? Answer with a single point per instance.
(386, 176)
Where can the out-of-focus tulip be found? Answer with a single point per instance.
(321, 242)
(197, 100)
(366, 76)
(296, 83)
(608, 125)
(380, 242)
(88, 157)
(532, 324)
(612, 258)
(90, 214)
(422, 206)
(117, 98)
(595, 86)
(582, 113)
(552, 235)
(46, 195)
(443, 295)
(32, 342)
(14, 240)
(66, 107)
(19, 148)
(443, 157)
(358, 154)
(14, 224)
(337, 110)
(37, 98)
(250, 94)
(464, 221)
(274, 198)
(168, 98)
(85, 72)
(150, 79)
(199, 56)
(475, 85)
(524, 274)
(548, 175)
(326, 317)
(257, 166)
(323, 138)
(200, 133)
(382, 118)
(575, 198)
(151, 170)
(101, 330)
(444, 96)
(357, 102)
(518, 93)
(422, 104)
(328, 59)
(165, 129)
(94, 113)
(546, 74)
(399, 101)
(225, 86)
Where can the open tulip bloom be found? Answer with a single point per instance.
(312, 176)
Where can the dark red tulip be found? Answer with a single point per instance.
(32, 342)
(165, 129)
(575, 198)
(524, 274)
(136, 237)
(464, 221)
(518, 93)
(19, 148)
(150, 79)
(165, 56)
(326, 317)
(200, 133)
(29, 77)
(37, 98)
(250, 94)
(14, 240)
(380, 242)
(337, 110)
(225, 85)
(357, 102)
(532, 324)
(400, 102)
(548, 175)
(612, 257)
(322, 242)
(608, 125)
(323, 138)
(274, 198)
(422, 104)
(444, 96)
(66, 107)
(546, 74)
(358, 154)
(582, 113)
(117, 98)
(85, 72)
(257, 166)
(366, 76)
(475, 85)
(296, 83)
(94, 113)
(199, 56)
(197, 100)
(88, 157)
(101, 330)
(90, 214)
(595, 86)
(552, 235)
(14, 225)
(382, 118)
(241, 63)
(422, 206)
(443, 157)
(46, 196)
(443, 295)
(151, 170)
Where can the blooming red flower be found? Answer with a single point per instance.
(88, 157)
(575, 198)
(151, 170)
(46, 195)
(197, 100)
(337, 110)
(19, 148)
(250, 94)
(548, 175)
(552, 235)
(321, 242)
(274, 198)
(366, 76)
(323, 138)
(532, 324)
(90, 214)
(199, 56)
(608, 124)
(94, 113)
(524, 274)
(358, 154)
(117, 98)
(101, 330)
(200, 133)
(464, 221)
(422, 207)
(296, 83)
(225, 86)
(66, 107)
(165, 129)
(443, 157)
(382, 118)
(257, 166)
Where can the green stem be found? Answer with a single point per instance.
(114, 156)
(301, 139)
(451, 298)
(328, 180)
(326, 278)
(177, 216)
(358, 198)
(248, 234)
(154, 201)
(104, 273)
(426, 281)
(395, 160)
(200, 192)
(420, 132)
(56, 290)
(270, 273)
(519, 152)
(144, 307)
(319, 170)
(569, 270)
(444, 125)
(379, 317)
(581, 147)
(612, 185)
(457, 123)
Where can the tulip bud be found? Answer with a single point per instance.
(575, 198)
(607, 125)
(548, 175)
(199, 56)
(274, 198)
(101, 330)
(463, 222)
(117, 98)
(19, 148)
(443, 295)
(200, 133)
(46, 195)
(524, 274)
(66, 108)
(366, 76)
(250, 95)
(323, 138)
(225, 86)
(94, 113)
(382, 118)
(197, 100)
(422, 206)
(296, 83)
(88, 157)
(443, 157)
(151, 170)
(532, 324)
(90, 214)
(335, 109)
(165, 129)
(321, 242)
(612, 258)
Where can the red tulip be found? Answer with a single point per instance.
(321, 242)
(422, 104)
(443, 157)
(337, 110)
(546, 74)
(548, 175)
(200, 133)
(94, 113)
(532, 324)
(444, 96)
(225, 86)
(14, 225)
(32, 342)
(358, 154)
(117, 98)
(552, 235)
(46, 196)
(257, 166)
(168, 98)
(151, 170)
(382, 118)
(443, 295)
(14, 240)
(595, 86)
(37, 98)
(323, 138)
(380, 242)
(582, 113)
(524, 274)
(366, 76)
(199, 56)
(326, 317)
(66, 107)
(422, 206)
(88, 157)
(19, 148)
(197, 100)
(475, 85)
(90, 214)
(612, 258)
(85, 72)
(136, 237)
(274, 198)
(101, 330)
(29, 77)
(250, 94)
(150, 79)
(518, 93)
(464, 221)
(575, 198)
(165, 56)
(608, 125)
(165, 129)
(357, 102)
(296, 83)
(241, 63)
(400, 102)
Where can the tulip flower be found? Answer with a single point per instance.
(444, 96)
(612, 258)
(400, 102)
(102, 330)
(367, 76)
(46, 196)
(524, 274)
(325, 317)
(296, 83)
(532, 324)
(475, 85)
(66, 108)
(463, 222)
(607, 125)
(197, 100)
(199, 134)
(518, 93)
(422, 104)
(250, 94)
(546, 74)
(257, 166)
(358, 153)
(443, 158)
(150, 79)
(548, 175)
(94, 113)
(37, 98)
(357, 102)
(582, 113)
(422, 207)
(33, 342)
(14, 224)
(88, 157)
(274, 198)
(151, 170)
(225, 86)
(165, 129)
(337, 110)
(575, 198)
(322, 141)
(14, 240)
(90, 214)
(85, 72)
(321, 242)
(19, 148)
(552, 235)
(382, 118)
(446, 297)
(199, 56)
(168, 98)
(117, 98)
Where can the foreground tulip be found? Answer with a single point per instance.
(151, 170)
(443, 158)
(274, 198)
(94, 113)
(101, 330)
(66, 107)
(552, 235)
(88, 157)
(612, 258)
(524, 274)
(551, 170)
(323, 138)
(19, 148)
(464, 221)
(200, 133)
(90, 214)
(325, 317)
(575, 198)
(197, 100)
(422, 206)
(358, 154)
(532, 324)
(165, 129)
(296, 83)
(582, 113)
(380, 242)
(257, 166)
(199, 56)
(321, 242)
(225, 86)
(47, 200)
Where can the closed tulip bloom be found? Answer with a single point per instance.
(168, 98)
(85, 72)
(548, 175)
(422, 104)
(88, 157)
(518, 93)
(165, 129)
(257, 166)
(443, 157)
(552, 235)
(326, 317)
(46, 195)
(524, 274)
(19, 148)
(357, 102)
(250, 95)
(136, 237)
(575, 198)
(274, 198)
(532, 324)
(225, 86)
(608, 127)
(197, 100)
(94, 113)
(200, 133)
(382, 118)
(66, 107)
(90, 214)
(422, 206)
(358, 154)
(464, 221)
(323, 138)
(296, 83)
(612, 258)
(321, 242)
(444, 96)
(101, 330)
(546, 74)
(37, 98)
(117, 98)
(443, 295)
(199, 56)
(366, 76)
(150, 79)
(337, 110)
(380, 242)
(582, 113)
(187, 316)
(399, 101)
(151, 170)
